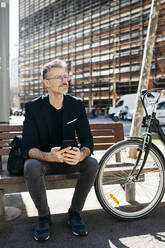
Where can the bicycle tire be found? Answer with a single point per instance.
(113, 189)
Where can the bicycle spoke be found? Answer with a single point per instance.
(121, 196)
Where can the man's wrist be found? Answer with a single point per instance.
(82, 157)
(47, 156)
(38, 154)
(84, 153)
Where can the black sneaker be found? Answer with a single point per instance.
(42, 229)
(76, 223)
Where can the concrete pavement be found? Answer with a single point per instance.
(104, 232)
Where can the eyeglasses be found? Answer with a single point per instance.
(60, 78)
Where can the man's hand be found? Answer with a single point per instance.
(73, 156)
(57, 155)
(68, 155)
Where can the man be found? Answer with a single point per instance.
(49, 120)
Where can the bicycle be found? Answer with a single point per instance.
(131, 180)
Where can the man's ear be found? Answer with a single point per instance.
(46, 83)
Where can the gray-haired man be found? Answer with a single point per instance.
(48, 121)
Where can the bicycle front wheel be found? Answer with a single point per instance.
(115, 187)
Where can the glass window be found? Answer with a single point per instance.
(161, 105)
(119, 103)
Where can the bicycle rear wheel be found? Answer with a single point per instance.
(118, 194)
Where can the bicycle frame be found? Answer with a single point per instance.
(152, 127)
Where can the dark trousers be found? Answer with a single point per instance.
(34, 177)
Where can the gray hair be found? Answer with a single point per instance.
(57, 63)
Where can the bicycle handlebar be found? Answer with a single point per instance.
(148, 93)
(154, 125)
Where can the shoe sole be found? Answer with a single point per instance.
(45, 239)
(77, 234)
(80, 234)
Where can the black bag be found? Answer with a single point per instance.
(15, 163)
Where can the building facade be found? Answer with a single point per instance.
(102, 41)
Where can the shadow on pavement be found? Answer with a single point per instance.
(104, 232)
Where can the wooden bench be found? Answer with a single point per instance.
(104, 136)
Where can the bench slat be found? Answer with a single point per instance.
(8, 135)
(4, 143)
(106, 126)
(7, 128)
(102, 147)
(101, 132)
(5, 151)
(103, 139)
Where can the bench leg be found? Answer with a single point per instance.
(2, 203)
(8, 213)
(11, 213)
(118, 157)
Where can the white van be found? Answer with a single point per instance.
(128, 100)
(160, 112)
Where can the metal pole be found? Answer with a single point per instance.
(4, 62)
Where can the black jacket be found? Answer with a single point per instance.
(37, 127)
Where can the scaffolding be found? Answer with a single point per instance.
(102, 41)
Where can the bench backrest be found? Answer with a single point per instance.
(104, 135)
(7, 133)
